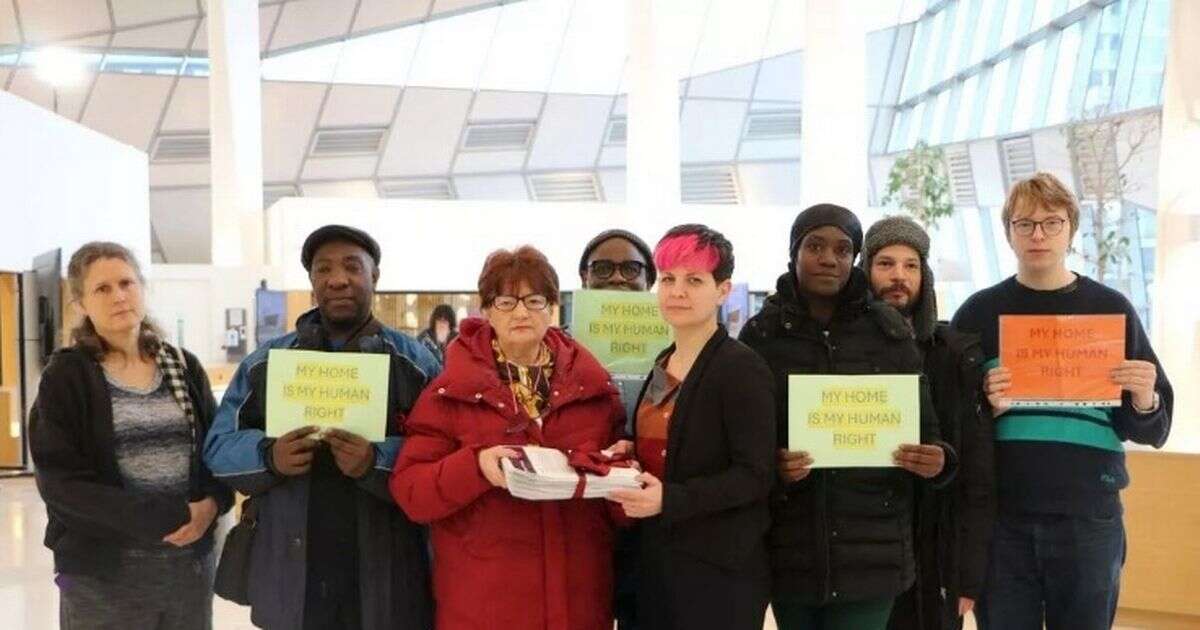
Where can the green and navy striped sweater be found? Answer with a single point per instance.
(1065, 460)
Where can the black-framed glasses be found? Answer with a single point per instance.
(1052, 226)
(532, 302)
(604, 269)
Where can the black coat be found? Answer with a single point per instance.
(954, 523)
(840, 535)
(708, 544)
(90, 514)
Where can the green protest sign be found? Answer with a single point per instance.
(343, 390)
(624, 329)
(846, 421)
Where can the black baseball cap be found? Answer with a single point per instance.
(330, 233)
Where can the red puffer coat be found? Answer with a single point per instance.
(499, 561)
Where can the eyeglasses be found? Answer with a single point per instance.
(532, 302)
(1050, 227)
(604, 269)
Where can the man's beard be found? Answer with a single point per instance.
(909, 306)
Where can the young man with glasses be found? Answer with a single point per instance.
(1059, 540)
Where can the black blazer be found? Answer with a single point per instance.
(720, 454)
(71, 439)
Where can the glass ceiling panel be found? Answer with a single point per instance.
(453, 50)
(526, 46)
(561, 46)
(734, 33)
(592, 56)
(361, 61)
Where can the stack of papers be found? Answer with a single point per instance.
(543, 474)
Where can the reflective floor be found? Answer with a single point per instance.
(29, 599)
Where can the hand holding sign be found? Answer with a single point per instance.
(292, 452)
(922, 460)
(794, 465)
(1138, 378)
(353, 455)
(996, 385)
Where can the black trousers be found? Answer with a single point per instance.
(677, 591)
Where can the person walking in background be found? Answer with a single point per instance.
(443, 328)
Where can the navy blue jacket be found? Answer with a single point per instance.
(392, 558)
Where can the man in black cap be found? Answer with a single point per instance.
(330, 548)
(954, 523)
(840, 538)
(617, 260)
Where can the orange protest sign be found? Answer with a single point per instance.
(1059, 360)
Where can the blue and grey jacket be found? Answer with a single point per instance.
(392, 558)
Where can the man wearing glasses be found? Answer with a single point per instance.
(1059, 540)
(617, 260)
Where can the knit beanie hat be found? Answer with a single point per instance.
(821, 215)
(639, 244)
(892, 231)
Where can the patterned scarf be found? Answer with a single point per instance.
(530, 384)
(174, 371)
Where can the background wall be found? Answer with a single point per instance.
(64, 185)
(440, 246)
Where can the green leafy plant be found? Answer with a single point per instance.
(919, 185)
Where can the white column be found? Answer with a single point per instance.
(833, 145)
(235, 117)
(652, 147)
(1176, 326)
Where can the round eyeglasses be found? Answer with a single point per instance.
(604, 269)
(1050, 227)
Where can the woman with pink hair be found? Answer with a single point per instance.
(705, 435)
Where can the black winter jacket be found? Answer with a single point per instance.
(91, 516)
(954, 523)
(840, 535)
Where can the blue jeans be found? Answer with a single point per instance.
(1064, 571)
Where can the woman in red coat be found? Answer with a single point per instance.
(499, 561)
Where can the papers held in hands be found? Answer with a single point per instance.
(545, 474)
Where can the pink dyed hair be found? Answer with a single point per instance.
(686, 250)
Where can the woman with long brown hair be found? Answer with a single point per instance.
(115, 433)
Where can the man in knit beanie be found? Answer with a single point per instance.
(953, 523)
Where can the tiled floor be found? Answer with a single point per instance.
(29, 599)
